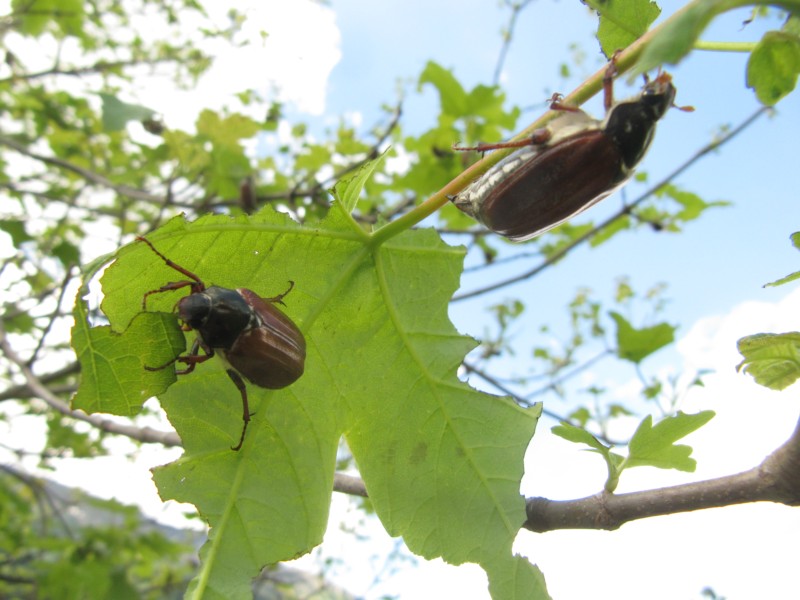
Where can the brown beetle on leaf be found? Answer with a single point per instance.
(254, 338)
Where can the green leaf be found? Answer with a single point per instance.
(114, 379)
(63, 438)
(34, 16)
(518, 579)
(637, 344)
(442, 462)
(579, 435)
(348, 189)
(793, 276)
(487, 102)
(789, 278)
(622, 23)
(773, 66)
(227, 162)
(225, 130)
(116, 113)
(654, 446)
(773, 360)
(16, 229)
(17, 320)
(451, 93)
(606, 233)
(68, 253)
(693, 206)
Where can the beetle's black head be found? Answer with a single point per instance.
(658, 95)
(218, 314)
(631, 123)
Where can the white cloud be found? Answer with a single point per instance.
(293, 47)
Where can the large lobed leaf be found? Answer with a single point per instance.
(441, 462)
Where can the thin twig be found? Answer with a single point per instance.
(508, 36)
(86, 174)
(53, 316)
(524, 402)
(24, 391)
(99, 67)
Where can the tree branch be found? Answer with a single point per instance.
(98, 67)
(776, 479)
(142, 434)
(23, 390)
(346, 484)
(90, 176)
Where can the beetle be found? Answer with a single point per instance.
(253, 337)
(569, 166)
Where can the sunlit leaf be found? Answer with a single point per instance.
(637, 344)
(578, 435)
(113, 364)
(792, 276)
(117, 113)
(772, 359)
(774, 66)
(622, 23)
(654, 445)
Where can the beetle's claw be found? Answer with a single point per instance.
(238, 446)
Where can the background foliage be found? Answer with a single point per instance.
(441, 462)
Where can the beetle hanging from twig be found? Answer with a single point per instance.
(570, 165)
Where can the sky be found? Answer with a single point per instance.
(351, 57)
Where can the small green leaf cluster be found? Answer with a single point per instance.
(650, 446)
(773, 359)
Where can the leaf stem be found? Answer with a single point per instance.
(725, 46)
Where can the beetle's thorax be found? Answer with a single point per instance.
(631, 124)
(219, 315)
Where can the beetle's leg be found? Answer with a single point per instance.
(237, 380)
(556, 103)
(279, 298)
(193, 359)
(190, 360)
(198, 285)
(539, 136)
(175, 285)
(608, 81)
